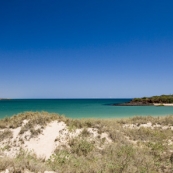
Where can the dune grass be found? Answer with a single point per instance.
(132, 150)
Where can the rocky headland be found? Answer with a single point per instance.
(163, 100)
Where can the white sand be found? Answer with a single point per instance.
(147, 125)
(164, 104)
(44, 144)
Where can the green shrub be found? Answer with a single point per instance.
(85, 133)
(81, 146)
(5, 135)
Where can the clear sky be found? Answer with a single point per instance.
(86, 49)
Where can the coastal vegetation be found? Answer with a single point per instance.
(138, 144)
(163, 100)
(155, 99)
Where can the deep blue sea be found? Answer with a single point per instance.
(81, 108)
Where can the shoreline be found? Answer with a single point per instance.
(163, 104)
(142, 104)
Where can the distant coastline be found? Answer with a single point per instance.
(163, 100)
(4, 99)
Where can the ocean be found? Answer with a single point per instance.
(81, 108)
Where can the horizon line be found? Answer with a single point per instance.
(71, 98)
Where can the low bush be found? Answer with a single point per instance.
(81, 146)
(5, 134)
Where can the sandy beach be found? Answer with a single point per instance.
(163, 104)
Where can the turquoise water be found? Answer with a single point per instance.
(81, 108)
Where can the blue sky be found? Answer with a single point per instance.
(86, 49)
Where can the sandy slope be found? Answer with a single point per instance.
(44, 144)
(54, 134)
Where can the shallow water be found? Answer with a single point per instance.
(81, 108)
